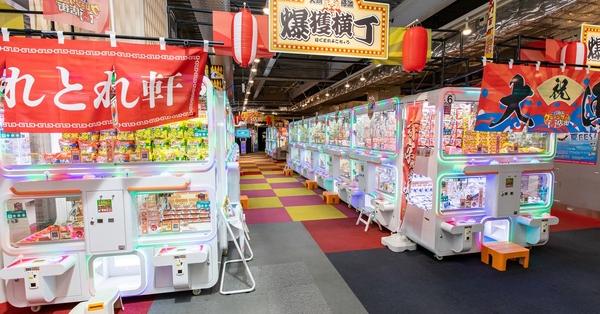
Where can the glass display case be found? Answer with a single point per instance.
(339, 128)
(427, 130)
(459, 137)
(420, 193)
(317, 129)
(282, 138)
(307, 158)
(44, 220)
(303, 131)
(385, 179)
(325, 163)
(345, 168)
(462, 193)
(535, 189)
(180, 141)
(173, 212)
(377, 132)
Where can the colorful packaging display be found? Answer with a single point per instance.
(173, 212)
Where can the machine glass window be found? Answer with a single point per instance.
(462, 193)
(317, 130)
(282, 138)
(338, 126)
(427, 130)
(303, 132)
(420, 193)
(175, 142)
(44, 220)
(385, 178)
(459, 137)
(377, 132)
(174, 212)
(324, 162)
(345, 168)
(535, 189)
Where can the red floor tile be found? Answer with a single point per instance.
(350, 212)
(267, 215)
(572, 221)
(303, 200)
(341, 235)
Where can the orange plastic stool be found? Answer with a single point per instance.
(310, 184)
(244, 201)
(503, 251)
(288, 172)
(331, 198)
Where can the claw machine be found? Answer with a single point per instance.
(271, 142)
(376, 144)
(133, 210)
(306, 151)
(293, 158)
(337, 147)
(469, 187)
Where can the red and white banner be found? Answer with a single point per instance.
(410, 140)
(52, 87)
(92, 15)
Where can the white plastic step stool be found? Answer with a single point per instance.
(104, 302)
(369, 212)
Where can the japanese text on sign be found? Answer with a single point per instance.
(329, 27)
(590, 37)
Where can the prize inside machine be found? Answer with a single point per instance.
(271, 142)
(307, 151)
(82, 212)
(339, 141)
(471, 187)
(294, 155)
(282, 143)
(376, 139)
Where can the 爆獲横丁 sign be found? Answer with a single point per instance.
(590, 37)
(349, 28)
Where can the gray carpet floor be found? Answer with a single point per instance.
(292, 276)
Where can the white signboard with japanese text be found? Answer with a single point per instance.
(348, 28)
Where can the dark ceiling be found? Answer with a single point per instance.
(286, 79)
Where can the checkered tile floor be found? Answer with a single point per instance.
(274, 197)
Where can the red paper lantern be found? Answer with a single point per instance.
(245, 37)
(268, 120)
(414, 49)
(574, 52)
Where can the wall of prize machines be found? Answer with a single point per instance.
(137, 211)
(466, 187)
(277, 142)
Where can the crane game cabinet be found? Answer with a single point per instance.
(133, 210)
(469, 187)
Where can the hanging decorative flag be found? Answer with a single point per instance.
(522, 98)
(92, 15)
(224, 31)
(490, 30)
(70, 87)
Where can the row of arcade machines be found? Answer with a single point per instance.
(276, 145)
(419, 167)
(138, 211)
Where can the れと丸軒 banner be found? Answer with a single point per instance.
(83, 86)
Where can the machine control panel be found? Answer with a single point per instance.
(509, 194)
(105, 221)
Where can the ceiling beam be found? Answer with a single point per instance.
(288, 79)
(266, 73)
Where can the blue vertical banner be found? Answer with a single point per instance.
(580, 148)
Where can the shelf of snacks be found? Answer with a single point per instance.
(173, 212)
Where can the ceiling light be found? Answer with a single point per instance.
(327, 94)
(251, 81)
(273, 112)
(257, 60)
(266, 10)
(248, 92)
(347, 85)
(253, 70)
(467, 30)
(362, 78)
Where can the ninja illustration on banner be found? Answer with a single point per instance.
(551, 100)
